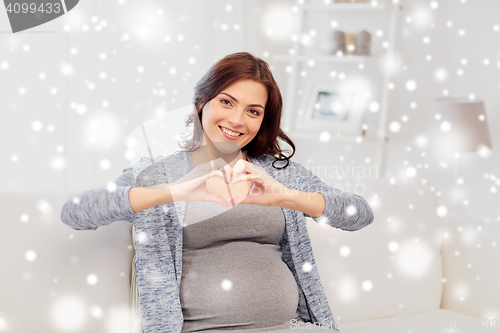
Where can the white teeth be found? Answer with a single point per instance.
(230, 132)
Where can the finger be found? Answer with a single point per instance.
(245, 178)
(239, 169)
(217, 199)
(245, 167)
(216, 173)
(239, 199)
(238, 180)
(239, 166)
(228, 172)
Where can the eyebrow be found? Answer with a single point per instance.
(252, 105)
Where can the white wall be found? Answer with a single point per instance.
(447, 47)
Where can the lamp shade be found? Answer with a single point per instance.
(458, 124)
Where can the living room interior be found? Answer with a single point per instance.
(394, 100)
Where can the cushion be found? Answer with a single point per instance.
(391, 267)
(471, 253)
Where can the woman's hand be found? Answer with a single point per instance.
(192, 187)
(264, 189)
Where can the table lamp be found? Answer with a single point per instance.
(457, 125)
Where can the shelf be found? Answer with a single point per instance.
(299, 56)
(333, 136)
(344, 6)
(354, 59)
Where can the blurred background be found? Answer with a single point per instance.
(74, 88)
(404, 91)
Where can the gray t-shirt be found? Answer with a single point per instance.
(233, 277)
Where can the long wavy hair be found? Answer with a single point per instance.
(222, 74)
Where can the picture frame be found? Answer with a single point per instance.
(326, 107)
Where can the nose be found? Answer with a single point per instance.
(236, 118)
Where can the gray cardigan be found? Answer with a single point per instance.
(159, 246)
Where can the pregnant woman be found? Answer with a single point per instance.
(219, 229)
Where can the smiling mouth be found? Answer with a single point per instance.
(222, 129)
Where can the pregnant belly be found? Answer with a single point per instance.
(238, 284)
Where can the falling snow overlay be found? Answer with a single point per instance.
(74, 90)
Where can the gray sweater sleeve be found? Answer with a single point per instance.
(344, 210)
(101, 206)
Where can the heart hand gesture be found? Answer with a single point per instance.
(264, 189)
(192, 187)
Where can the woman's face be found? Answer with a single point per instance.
(238, 108)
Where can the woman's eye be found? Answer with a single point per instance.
(228, 103)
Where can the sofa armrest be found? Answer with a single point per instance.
(471, 271)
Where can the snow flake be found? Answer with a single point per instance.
(307, 267)
(394, 126)
(111, 186)
(142, 237)
(324, 136)
(345, 251)
(226, 284)
(440, 74)
(44, 206)
(374, 106)
(92, 279)
(57, 163)
(66, 69)
(351, 210)
(367, 285)
(442, 211)
(68, 313)
(411, 85)
(30, 255)
(445, 127)
(96, 312)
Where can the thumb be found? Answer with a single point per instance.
(216, 173)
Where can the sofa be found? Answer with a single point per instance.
(56, 279)
(409, 271)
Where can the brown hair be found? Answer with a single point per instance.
(221, 75)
